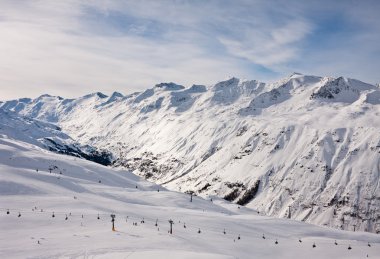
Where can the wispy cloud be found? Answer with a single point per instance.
(277, 46)
(71, 48)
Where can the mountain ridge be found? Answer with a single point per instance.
(307, 142)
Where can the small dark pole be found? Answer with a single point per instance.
(171, 222)
(289, 215)
(191, 197)
(354, 227)
(113, 221)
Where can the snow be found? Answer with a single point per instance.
(311, 142)
(37, 195)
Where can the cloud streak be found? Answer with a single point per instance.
(71, 48)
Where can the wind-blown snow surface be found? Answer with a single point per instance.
(82, 191)
(308, 143)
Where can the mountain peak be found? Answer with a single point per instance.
(170, 86)
(296, 74)
(96, 94)
(116, 94)
(233, 81)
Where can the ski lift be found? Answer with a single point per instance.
(171, 222)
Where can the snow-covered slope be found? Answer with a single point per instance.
(56, 206)
(305, 144)
(48, 136)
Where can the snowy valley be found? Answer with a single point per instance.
(59, 206)
(304, 147)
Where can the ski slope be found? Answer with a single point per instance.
(82, 191)
(308, 142)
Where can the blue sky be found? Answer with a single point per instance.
(71, 48)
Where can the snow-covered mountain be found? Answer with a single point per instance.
(62, 210)
(48, 136)
(305, 147)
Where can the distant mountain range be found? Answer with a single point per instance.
(304, 147)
